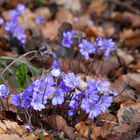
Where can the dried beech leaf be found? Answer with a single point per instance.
(131, 38)
(128, 113)
(98, 7)
(10, 137)
(58, 123)
(125, 56)
(82, 128)
(13, 126)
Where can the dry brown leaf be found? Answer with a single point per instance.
(73, 65)
(82, 128)
(64, 16)
(94, 31)
(2, 128)
(125, 56)
(50, 29)
(127, 17)
(9, 137)
(127, 113)
(98, 7)
(13, 126)
(58, 123)
(43, 12)
(131, 38)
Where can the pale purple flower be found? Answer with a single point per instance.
(40, 20)
(12, 25)
(37, 102)
(106, 45)
(105, 102)
(21, 8)
(20, 34)
(71, 113)
(4, 91)
(1, 21)
(92, 109)
(68, 38)
(55, 72)
(58, 97)
(71, 81)
(86, 48)
(73, 104)
(16, 99)
(103, 86)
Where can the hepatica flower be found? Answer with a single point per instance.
(20, 34)
(92, 109)
(12, 25)
(68, 38)
(103, 87)
(40, 20)
(58, 97)
(1, 21)
(4, 91)
(37, 102)
(71, 80)
(106, 45)
(86, 48)
(56, 68)
(16, 99)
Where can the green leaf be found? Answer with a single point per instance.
(22, 77)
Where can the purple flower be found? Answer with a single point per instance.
(63, 86)
(25, 103)
(86, 48)
(37, 102)
(103, 87)
(106, 45)
(113, 92)
(12, 25)
(105, 102)
(16, 99)
(92, 85)
(68, 38)
(56, 68)
(55, 72)
(73, 104)
(20, 8)
(1, 21)
(91, 108)
(71, 81)
(79, 96)
(91, 95)
(58, 97)
(40, 20)
(75, 20)
(71, 113)
(90, 22)
(20, 34)
(4, 91)
(50, 81)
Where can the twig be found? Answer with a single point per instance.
(124, 4)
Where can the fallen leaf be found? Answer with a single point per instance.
(58, 123)
(128, 113)
(98, 7)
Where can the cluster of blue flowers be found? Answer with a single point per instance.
(102, 45)
(13, 25)
(62, 90)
